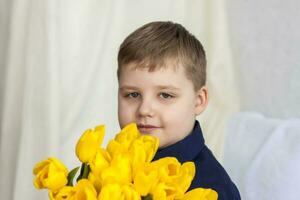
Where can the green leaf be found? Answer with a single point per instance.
(71, 176)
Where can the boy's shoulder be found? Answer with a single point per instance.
(186, 149)
(209, 172)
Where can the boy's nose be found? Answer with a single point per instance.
(146, 109)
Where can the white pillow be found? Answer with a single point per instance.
(262, 156)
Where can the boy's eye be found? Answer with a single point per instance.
(166, 95)
(132, 95)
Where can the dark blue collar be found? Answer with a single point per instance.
(186, 149)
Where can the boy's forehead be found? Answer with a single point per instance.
(164, 77)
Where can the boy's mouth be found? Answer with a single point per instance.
(146, 128)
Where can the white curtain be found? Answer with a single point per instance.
(265, 38)
(58, 75)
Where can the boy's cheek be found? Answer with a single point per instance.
(125, 115)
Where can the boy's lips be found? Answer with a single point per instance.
(146, 128)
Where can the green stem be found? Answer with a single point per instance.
(84, 171)
(71, 176)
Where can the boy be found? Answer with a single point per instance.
(162, 75)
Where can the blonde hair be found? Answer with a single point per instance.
(154, 43)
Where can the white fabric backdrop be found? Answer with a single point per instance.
(265, 38)
(58, 75)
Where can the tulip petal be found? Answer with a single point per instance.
(145, 179)
(127, 135)
(201, 193)
(89, 143)
(110, 192)
(85, 190)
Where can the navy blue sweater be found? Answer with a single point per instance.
(209, 172)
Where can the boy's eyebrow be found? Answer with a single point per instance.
(167, 87)
(129, 87)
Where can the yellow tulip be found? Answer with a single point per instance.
(162, 192)
(175, 177)
(200, 193)
(183, 181)
(145, 179)
(115, 191)
(100, 161)
(169, 169)
(51, 174)
(143, 149)
(129, 193)
(97, 165)
(123, 140)
(111, 192)
(129, 133)
(151, 144)
(65, 193)
(84, 190)
(95, 180)
(114, 148)
(118, 171)
(89, 143)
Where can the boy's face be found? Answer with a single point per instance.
(163, 102)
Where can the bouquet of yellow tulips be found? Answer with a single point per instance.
(122, 171)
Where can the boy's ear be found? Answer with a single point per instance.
(201, 100)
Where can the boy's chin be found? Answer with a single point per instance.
(163, 145)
